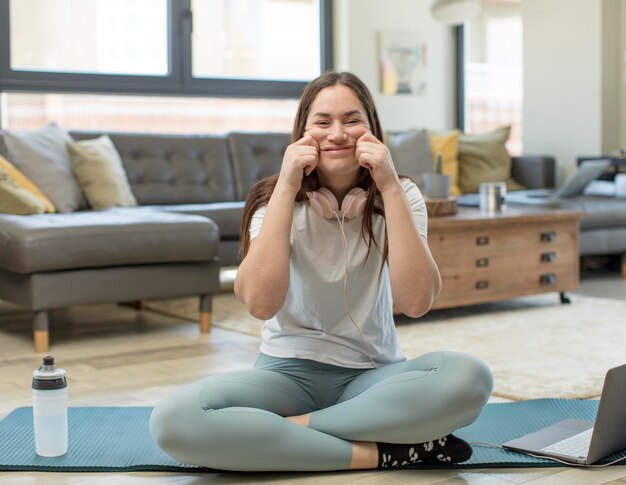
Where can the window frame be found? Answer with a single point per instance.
(179, 81)
(459, 45)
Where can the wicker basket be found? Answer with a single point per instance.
(441, 206)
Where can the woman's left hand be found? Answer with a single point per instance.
(372, 154)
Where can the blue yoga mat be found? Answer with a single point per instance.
(117, 438)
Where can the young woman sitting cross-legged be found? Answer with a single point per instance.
(330, 244)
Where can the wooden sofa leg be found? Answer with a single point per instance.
(206, 306)
(624, 265)
(136, 304)
(40, 331)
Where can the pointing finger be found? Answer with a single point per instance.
(307, 140)
(368, 136)
(359, 131)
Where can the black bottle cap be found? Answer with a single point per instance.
(49, 376)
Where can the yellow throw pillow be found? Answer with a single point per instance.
(16, 200)
(447, 145)
(25, 183)
(100, 173)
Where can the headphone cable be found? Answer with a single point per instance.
(344, 243)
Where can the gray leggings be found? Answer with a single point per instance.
(235, 420)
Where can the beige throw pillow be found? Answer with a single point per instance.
(16, 200)
(100, 173)
(484, 158)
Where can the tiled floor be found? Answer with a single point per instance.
(117, 356)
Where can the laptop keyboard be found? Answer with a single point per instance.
(577, 445)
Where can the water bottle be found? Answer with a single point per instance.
(50, 409)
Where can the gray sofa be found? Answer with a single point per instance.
(603, 230)
(191, 192)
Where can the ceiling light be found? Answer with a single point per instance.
(455, 12)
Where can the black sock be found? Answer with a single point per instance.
(448, 449)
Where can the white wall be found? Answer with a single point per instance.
(621, 63)
(477, 49)
(574, 78)
(357, 23)
(610, 75)
(562, 79)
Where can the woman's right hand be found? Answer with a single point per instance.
(300, 159)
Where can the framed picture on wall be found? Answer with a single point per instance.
(403, 63)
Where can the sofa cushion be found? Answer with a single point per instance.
(227, 215)
(114, 237)
(25, 183)
(610, 240)
(411, 154)
(99, 171)
(42, 155)
(255, 156)
(447, 145)
(484, 158)
(16, 200)
(602, 212)
(174, 169)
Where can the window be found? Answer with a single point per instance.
(492, 75)
(156, 114)
(115, 37)
(257, 39)
(237, 48)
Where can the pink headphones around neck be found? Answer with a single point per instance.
(324, 203)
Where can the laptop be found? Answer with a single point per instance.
(584, 442)
(572, 187)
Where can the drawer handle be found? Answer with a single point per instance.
(482, 284)
(482, 262)
(548, 279)
(548, 257)
(482, 240)
(549, 236)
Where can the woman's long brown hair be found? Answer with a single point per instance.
(261, 192)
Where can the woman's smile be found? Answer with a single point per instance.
(338, 150)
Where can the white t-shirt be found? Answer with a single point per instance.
(313, 322)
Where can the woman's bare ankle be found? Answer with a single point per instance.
(302, 419)
(364, 455)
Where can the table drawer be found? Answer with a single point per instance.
(492, 285)
(525, 237)
(483, 261)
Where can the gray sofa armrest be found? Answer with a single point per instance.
(534, 172)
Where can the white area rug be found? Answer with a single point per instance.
(535, 346)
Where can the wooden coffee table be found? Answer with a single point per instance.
(489, 257)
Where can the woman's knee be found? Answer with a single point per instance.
(175, 420)
(470, 376)
(165, 424)
(457, 368)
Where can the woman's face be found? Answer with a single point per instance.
(336, 120)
